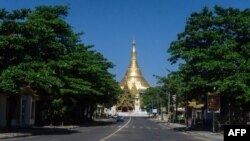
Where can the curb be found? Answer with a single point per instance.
(14, 135)
(18, 135)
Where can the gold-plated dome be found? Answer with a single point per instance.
(133, 74)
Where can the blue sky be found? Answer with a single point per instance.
(110, 25)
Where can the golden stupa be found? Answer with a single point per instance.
(132, 85)
(133, 74)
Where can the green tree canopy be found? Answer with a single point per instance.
(39, 49)
(154, 98)
(214, 50)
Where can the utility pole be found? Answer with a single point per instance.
(157, 100)
(168, 106)
(161, 110)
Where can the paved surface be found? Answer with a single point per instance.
(143, 129)
(207, 135)
(17, 133)
(90, 132)
(134, 129)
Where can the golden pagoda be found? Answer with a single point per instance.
(132, 84)
(133, 74)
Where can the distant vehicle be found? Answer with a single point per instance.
(115, 116)
(154, 111)
(119, 119)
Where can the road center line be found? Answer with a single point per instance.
(103, 139)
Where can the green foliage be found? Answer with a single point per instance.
(154, 97)
(35, 74)
(39, 49)
(214, 50)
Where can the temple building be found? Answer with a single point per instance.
(133, 84)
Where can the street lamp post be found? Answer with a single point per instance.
(158, 104)
(168, 106)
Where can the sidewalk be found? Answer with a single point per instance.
(49, 130)
(208, 135)
(13, 135)
(24, 132)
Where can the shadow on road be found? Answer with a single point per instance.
(190, 129)
(97, 123)
(54, 130)
(40, 131)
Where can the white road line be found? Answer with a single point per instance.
(103, 139)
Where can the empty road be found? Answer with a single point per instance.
(132, 129)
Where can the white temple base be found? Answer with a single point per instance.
(133, 114)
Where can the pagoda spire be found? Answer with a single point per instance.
(133, 74)
(133, 61)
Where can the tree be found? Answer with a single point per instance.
(21, 56)
(175, 91)
(154, 98)
(85, 76)
(214, 49)
(39, 50)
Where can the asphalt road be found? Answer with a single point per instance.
(143, 129)
(132, 129)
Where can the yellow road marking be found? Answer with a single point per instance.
(103, 139)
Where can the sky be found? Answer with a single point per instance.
(111, 25)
